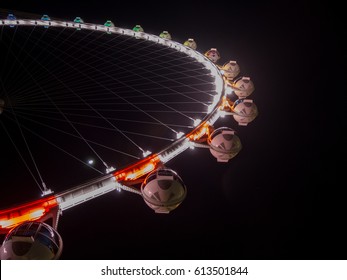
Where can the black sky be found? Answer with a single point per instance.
(279, 199)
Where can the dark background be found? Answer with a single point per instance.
(282, 196)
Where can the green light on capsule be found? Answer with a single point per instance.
(78, 20)
(165, 35)
(138, 28)
(190, 43)
(109, 23)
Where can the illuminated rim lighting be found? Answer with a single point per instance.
(150, 162)
(182, 142)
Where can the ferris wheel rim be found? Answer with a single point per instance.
(125, 178)
(182, 143)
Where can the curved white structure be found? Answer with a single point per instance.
(180, 145)
(51, 206)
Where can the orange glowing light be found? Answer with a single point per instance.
(226, 104)
(138, 169)
(30, 216)
(141, 172)
(203, 130)
(30, 211)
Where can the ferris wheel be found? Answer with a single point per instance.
(99, 85)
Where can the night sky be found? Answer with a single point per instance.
(279, 198)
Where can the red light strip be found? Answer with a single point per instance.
(30, 211)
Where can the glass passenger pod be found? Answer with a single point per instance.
(224, 144)
(245, 111)
(12, 18)
(231, 70)
(243, 87)
(109, 23)
(138, 31)
(165, 35)
(190, 43)
(163, 190)
(213, 55)
(138, 28)
(32, 241)
(78, 22)
(47, 20)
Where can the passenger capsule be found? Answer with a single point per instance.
(163, 190)
(78, 20)
(245, 111)
(213, 55)
(190, 43)
(32, 241)
(108, 24)
(165, 35)
(231, 69)
(243, 87)
(224, 144)
(11, 17)
(138, 28)
(47, 19)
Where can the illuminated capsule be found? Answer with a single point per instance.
(108, 24)
(190, 43)
(231, 69)
(165, 35)
(138, 28)
(46, 18)
(11, 17)
(2, 105)
(245, 111)
(243, 87)
(78, 20)
(163, 190)
(213, 55)
(224, 144)
(32, 241)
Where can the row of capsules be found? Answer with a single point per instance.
(162, 190)
(222, 142)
